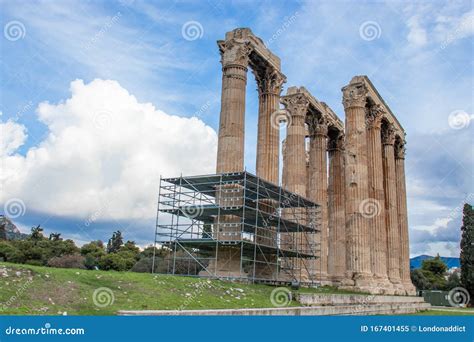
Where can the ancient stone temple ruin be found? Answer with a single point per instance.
(339, 214)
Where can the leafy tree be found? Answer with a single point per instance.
(130, 246)
(95, 248)
(158, 252)
(453, 281)
(121, 261)
(60, 247)
(467, 250)
(36, 233)
(55, 236)
(435, 266)
(93, 252)
(115, 242)
(10, 253)
(419, 279)
(434, 271)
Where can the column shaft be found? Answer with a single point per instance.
(230, 148)
(403, 219)
(318, 187)
(356, 184)
(230, 153)
(391, 217)
(294, 176)
(377, 231)
(294, 158)
(336, 213)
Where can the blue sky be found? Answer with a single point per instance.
(98, 98)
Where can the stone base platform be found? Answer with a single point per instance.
(314, 305)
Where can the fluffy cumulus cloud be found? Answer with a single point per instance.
(104, 153)
(13, 136)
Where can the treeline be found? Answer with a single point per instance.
(117, 255)
(433, 276)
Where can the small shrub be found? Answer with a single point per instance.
(121, 261)
(67, 261)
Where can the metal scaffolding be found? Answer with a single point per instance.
(236, 226)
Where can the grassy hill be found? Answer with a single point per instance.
(26, 289)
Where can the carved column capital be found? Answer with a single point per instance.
(336, 143)
(400, 149)
(317, 125)
(234, 52)
(296, 105)
(388, 135)
(373, 116)
(354, 95)
(269, 80)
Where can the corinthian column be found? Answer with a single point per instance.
(269, 81)
(294, 157)
(230, 146)
(294, 175)
(376, 216)
(391, 214)
(403, 218)
(230, 153)
(356, 184)
(318, 185)
(336, 211)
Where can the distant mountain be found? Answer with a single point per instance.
(416, 262)
(13, 233)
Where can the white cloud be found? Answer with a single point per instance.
(104, 150)
(417, 34)
(13, 136)
(451, 28)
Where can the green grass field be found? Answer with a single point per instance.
(31, 290)
(35, 290)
